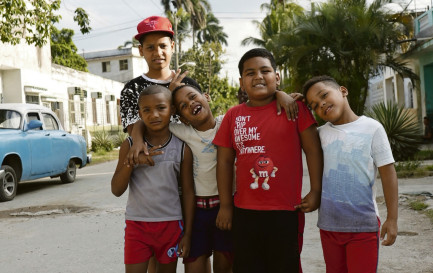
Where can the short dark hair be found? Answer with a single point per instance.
(142, 37)
(155, 89)
(257, 52)
(173, 93)
(323, 78)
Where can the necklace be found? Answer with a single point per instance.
(165, 141)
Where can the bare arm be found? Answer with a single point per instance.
(313, 151)
(390, 191)
(225, 167)
(120, 180)
(188, 197)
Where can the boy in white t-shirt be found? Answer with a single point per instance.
(354, 147)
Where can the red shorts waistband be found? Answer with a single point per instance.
(207, 203)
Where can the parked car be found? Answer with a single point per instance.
(33, 145)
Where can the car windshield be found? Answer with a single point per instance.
(9, 119)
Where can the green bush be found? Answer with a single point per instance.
(101, 140)
(402, 129)
(424, 155)
(407, 166)
(118, 138)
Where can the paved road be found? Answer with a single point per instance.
(90, 239)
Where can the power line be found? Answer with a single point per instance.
(133, 10)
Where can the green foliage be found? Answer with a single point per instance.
(424, 155)
(348, 40)
(208, 65)
(407, 166)
(82, 20)
(64, 51)
(31, 21)
(212, 32)
(118, 138)
(101, 140)
(418, 205)
(401, 127)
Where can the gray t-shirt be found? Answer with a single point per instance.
(154, 190)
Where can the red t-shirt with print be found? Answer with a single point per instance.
(268, 155)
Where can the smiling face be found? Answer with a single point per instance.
(259, 80)
(157, 49)
(330, 103)
(155, 111)
(193, 106)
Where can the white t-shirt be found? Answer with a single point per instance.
(204, 155)
(352, 152)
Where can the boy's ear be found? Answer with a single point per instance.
(344, 91)
(241, 86)
(140, 49)
(207, 96)
(277, 75)
(172, 110)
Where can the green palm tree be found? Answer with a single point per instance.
(346, 39)
(213, 32)
(197, 10)
(280, 18)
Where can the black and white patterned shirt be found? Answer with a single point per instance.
(130, 93)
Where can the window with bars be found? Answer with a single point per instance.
(106, 67)
(123, 64)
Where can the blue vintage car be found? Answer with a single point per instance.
(33, 145)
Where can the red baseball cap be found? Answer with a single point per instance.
(154, 24)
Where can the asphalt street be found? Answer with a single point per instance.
(51, 227)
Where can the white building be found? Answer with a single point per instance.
(118, 64)
(81, 100)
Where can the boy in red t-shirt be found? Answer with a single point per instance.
(268, 151)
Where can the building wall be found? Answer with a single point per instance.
(136, 64)
(27, 71)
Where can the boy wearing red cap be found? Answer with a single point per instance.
(155, 35)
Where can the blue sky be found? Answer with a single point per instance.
(114, 22)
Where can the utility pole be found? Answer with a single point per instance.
(176, 51)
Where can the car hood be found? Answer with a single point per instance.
(4, 132)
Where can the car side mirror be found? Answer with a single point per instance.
(33, 124)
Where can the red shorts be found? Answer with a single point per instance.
(350, 251)
(144, 239)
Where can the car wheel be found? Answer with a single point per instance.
(71, 172)
(9, 183)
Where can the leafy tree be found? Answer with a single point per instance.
(64, 51)
(280, 18)
(346, 39)
(30, 21)
(213, 32)
(208, 65)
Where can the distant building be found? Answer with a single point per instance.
(117, 64)
(391, 87)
